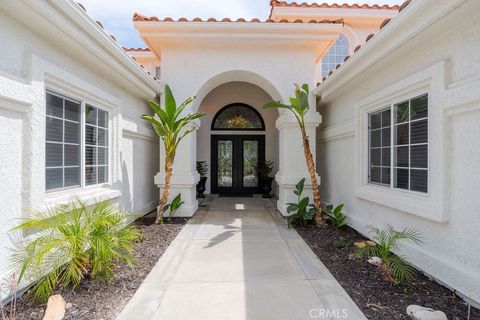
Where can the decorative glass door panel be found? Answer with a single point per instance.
(225, 163)
(234, 163)
(250, 163)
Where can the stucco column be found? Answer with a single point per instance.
(292, 164)
(185, 175)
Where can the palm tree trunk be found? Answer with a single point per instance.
(313, 176)
(166, 190)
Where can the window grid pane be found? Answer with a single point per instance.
(411, 144)
(379, 147)
(335, 55)
(96, 145)
(409, 147)
(62, 145)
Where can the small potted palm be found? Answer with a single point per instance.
(265, 168)
(202, 169)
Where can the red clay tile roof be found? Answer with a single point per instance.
(137, 49)
(369, 37)
(285, 4)
(276, 3)
(139, 17)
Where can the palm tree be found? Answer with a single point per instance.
(171, 126)
(299, 107)
(393, 267)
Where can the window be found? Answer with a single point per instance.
(96, 145)
(62, 147)
(335, 55)
(238, 116)
(398, 154)
(63, 156)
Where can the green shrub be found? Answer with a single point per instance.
(394, 268)
(303, 211)
(202, 168)
(67, 243)
(173, 206)
(335, 215)
(265, 167)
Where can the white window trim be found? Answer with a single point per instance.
(97, 192)
(431, 205)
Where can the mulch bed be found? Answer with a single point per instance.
(95, 300)
(377, 298)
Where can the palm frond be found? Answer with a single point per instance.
(401, 270)
(71, 241)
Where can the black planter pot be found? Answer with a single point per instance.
(266, 186)
(201, 187)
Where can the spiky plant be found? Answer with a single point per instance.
(299, 107)
(66, 243)
(170, 124)
(394, 268)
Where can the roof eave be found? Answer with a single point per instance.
(385, 42)
(90, 35)
(238, 30)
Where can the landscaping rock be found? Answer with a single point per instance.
(360, 244)
(55, 308)
(376, 261)
(371, 243)
(422, 313)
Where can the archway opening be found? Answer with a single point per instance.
(235, 135)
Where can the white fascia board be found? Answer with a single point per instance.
(99, 45)
(235, 31)
(418, 16)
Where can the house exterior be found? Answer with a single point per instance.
(393, 120)
(70, 106)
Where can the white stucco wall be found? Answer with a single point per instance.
(199, 68)
(441, 59)
(32, 63)
(234, 92)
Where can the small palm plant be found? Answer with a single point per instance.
(301, 212)
(394, 268)
(171, 126)
(299, 107)
(69, 242)
(336, 216)
(173, 206)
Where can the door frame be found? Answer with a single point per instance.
(237, 162)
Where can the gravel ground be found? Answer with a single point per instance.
(94, 300)
(377, 298)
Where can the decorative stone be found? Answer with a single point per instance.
(422, 313)
(360, 244)
(55, 308)
(376, 261)
(371, 243)
(68, 306)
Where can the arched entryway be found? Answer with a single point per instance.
(235, 157)
(235, 135)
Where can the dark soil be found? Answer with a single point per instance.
(95, 300)
(377, 298)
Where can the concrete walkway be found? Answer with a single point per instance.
(236, 259)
